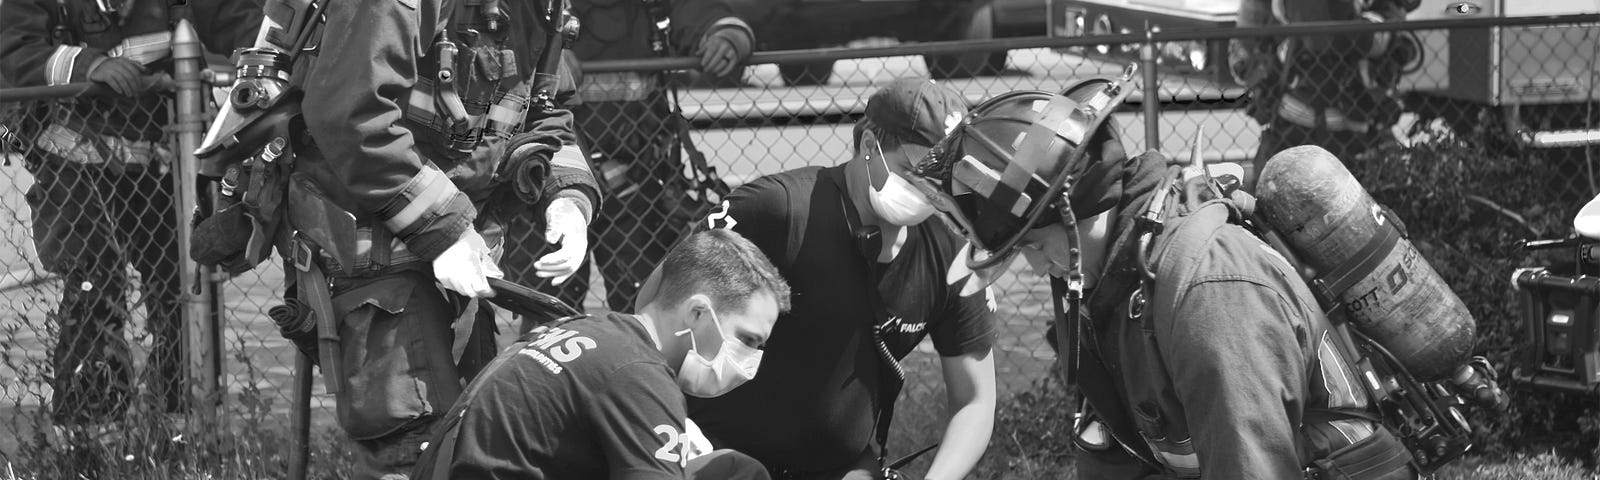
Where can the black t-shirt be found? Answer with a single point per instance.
(591, 398)
(811, 405)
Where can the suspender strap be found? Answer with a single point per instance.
(705, 175)
(312, 286)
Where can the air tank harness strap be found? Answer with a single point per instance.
(1341, 277)
(311, 285)
(1149, 225)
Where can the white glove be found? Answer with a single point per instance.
(695, 442)
(466, 266)
(564, 224)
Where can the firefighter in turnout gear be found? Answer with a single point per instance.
(102, 194)
(1333, 91)
(627, 123)
(1199, 351)
(450, 113)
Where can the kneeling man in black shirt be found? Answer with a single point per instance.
(602, 396)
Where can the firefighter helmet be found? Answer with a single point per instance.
(1011, 164)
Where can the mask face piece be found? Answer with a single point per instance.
(895, 200)
(732, 365)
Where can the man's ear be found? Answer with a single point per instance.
(698, 306)
(877, 168)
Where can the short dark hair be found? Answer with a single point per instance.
(888, 140)
(723, 265)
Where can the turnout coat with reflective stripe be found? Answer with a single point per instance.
(31, 56)
(1218, 366)
(375, 158)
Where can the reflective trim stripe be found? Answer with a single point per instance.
(428, 189)
(734, 22)
(981, 179)
(1335, 377)
(615, 175)
(1343, 391)
(419, 106)
(398, 254)
(1353, 430)
(1180, 457)
(506, 116)
(1298, 113)
(570, 157)
(1180, 461)
(74, 147)
(144, 49)
(615, 87)
(59, 67)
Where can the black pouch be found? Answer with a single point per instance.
(1380, 456)
(221, 239)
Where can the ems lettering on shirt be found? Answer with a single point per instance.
(557, 347)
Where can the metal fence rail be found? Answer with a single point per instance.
(757, 128)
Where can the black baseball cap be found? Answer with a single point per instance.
(918, 111)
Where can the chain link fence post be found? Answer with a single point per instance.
(1152, 89)
(200, 293)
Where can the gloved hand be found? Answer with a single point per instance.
(564, 225)
(121, 74)
(466, 266)
(722, 50)
(526, 169)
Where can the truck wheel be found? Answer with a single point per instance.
(980, 26)
(810, 73)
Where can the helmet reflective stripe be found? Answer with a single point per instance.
(1015, 154)
(972, 176)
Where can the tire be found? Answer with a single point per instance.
(980, 26)
(802, 74)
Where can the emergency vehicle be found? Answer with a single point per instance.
(1538, 81)
(1207, 60)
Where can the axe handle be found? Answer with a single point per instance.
(300, 419)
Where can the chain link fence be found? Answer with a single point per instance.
(94, 309)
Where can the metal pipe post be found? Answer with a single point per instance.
(300, 418)
(199, 307)
(1152, 91)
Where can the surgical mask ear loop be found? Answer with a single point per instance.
(694, 345)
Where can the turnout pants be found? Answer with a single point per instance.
(645, 211)
(400, 376)
(90, 220)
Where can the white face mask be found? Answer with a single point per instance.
(897, 202)
(733, 364)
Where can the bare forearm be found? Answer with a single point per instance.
(965, 439)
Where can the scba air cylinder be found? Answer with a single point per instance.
(1388, 290)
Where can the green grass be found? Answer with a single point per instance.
(157, 447)
(1029, 442)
